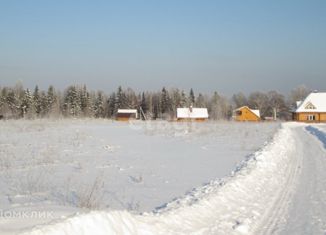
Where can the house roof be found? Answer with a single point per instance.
(127, 110)
(255, 111)
(314, 103)
(298, 103)
(192, 113)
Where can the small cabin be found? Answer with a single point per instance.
(126, 114)
(246, 114)
(192, 114)
(312, 109)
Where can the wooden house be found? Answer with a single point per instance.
(246, 114)
(126, 114)
(192, 114)
(312, 109)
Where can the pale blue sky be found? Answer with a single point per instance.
(228, 46)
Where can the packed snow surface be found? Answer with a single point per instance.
(307, 207)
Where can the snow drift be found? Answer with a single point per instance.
(238, 204)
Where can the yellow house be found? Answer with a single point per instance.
(246, 114)
(312, 109)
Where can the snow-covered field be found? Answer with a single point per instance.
(162, 178)
(69, 166)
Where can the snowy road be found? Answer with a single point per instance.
(279, 190)
(301, 206)
(307, 212)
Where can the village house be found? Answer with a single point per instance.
(246, 114)
(312, 109)
(126, 114)
(192, 114)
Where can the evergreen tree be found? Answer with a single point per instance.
(120, 100)
(165, 103)
(200, 101)
(72, 102)
(13, 102)
(156, 106)
(44, 104)
(175, 100)
(2, 100)
(99, 106)
(149, 102)
(191, 97)
(53, 103)
(85, 102)
(183, 100)
(37, 101)
(51, 100)
(143, 103)
(4, 93)
(111, 105)
(51, 97)
(27, 105)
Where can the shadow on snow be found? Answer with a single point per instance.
(319, 134)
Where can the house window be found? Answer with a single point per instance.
(311, 118)
(239, 113)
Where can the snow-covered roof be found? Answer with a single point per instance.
(255, 111)
(298, 103)
(192, 113)
(127, 110)
(315, 103)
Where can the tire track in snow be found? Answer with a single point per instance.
(307, 214)
(275, 216)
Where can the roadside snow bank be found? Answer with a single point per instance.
(238, 204)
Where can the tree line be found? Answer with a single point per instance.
(78, 101)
